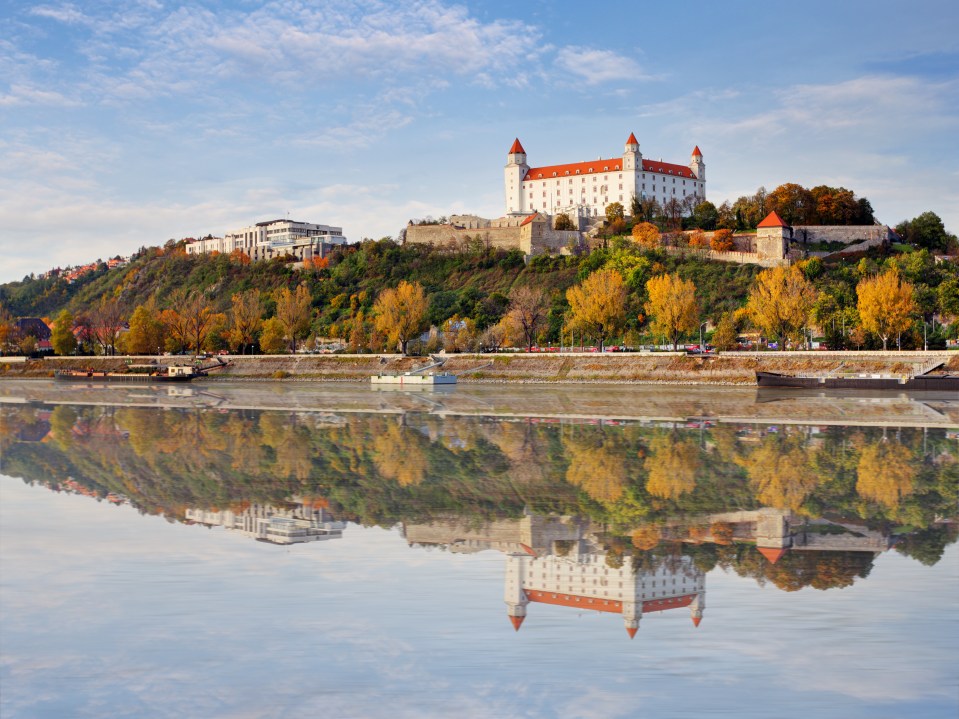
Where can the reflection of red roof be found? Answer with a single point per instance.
(516, 147)
(773, 555)
(696, 621)
(772, 220)
(516, 621)
(632, 140)
(604, 605)
(631, 631)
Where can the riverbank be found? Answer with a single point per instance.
(734, 368)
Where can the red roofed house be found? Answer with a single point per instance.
(584, 189)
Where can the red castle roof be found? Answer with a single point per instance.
(696, 151)
(632, 140)
(772, 220)
(597, 166)
(517, 147)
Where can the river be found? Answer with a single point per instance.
(267, 550)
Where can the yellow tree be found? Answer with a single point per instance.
(63, 340)
(246, 318)
(294, 313)
(147, 333)
(672, 465)
(646, 234)
(886, 304)
(401, 313)
(271, 339)
(672, 306)
(886, 473)
(598, 304)
(780, 302)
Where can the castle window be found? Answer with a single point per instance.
(567, 172)
(554, 174)
(590, 169)
(606, 169)
(577, 172)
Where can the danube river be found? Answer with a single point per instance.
(272, 550)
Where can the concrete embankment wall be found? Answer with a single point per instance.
(726, 368)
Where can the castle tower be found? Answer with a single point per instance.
(632, 157)
(516, 169)
(513, 595)
(697, 165)
(697, 607)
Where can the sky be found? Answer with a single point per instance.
(125, 124)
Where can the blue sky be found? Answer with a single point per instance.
(125, 124)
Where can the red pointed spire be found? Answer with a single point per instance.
(632, 140)
(517, 621)
(772, 220)
(773, 555)
(631, 631)
(696, 621)
(517, 147)
(697, 152)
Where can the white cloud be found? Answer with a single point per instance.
(598, 66)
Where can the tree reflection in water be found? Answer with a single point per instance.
(794, 506)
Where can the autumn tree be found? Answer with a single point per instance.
(598, 304)
(401, 313)
(721, 241)
(62, 338)
(246, 319)
(107, 323)
(794, 203)
(886, 473)
(198, 315)
(528, 307)
(646, 234)
(886, 304)
(672, 306)
(272, 336)
(726, 334)
(698, 239)
(294, 313)
(614, 211)
(672, 465)
(780, 301)
(563, 222)
(147, 333)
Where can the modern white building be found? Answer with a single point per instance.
(274, 238)
(584, 189)
(303, 521)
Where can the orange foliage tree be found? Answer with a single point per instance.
(646, 234)
(721, 241)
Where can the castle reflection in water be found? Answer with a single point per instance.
(616, 517)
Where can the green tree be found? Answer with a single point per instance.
(926, 230)
(615, 211)
(705, 216)
(63, 340)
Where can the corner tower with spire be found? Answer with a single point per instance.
(516, 169)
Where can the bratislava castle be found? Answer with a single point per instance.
(586, 188)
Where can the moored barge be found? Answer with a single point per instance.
(920, 383)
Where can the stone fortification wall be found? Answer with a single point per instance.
(439, 235)
(848, 234)
(537, 238)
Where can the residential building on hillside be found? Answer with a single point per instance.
(584, 189)
(274, 238)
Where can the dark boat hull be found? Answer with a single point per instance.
(120, 377)
(921, 383)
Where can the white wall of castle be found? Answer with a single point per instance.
(586, 188)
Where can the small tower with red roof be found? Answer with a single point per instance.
(697, 165)
(632, 157)
(516, 169)
(772, 237)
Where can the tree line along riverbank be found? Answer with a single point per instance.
(734, 368)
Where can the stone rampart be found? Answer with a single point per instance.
(847, 234)
(500, 237)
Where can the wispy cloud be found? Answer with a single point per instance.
(598, 66)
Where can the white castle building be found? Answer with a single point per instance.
(586, 582)
(584, 189)
(274, 238)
